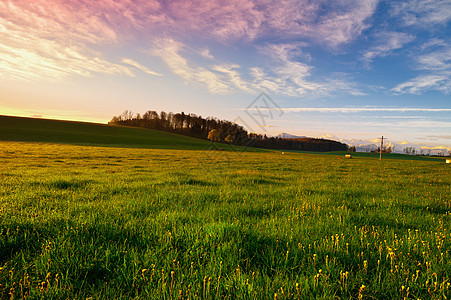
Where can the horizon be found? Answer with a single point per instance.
(350, 71)
(359, 144)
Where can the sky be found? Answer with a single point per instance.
(350, 70)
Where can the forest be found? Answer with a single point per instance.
(220, 131)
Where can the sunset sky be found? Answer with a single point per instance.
(350, 70)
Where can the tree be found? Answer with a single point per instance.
(219, 130)
(163, 116)
(409, 150)
(126, 115)
(214, 135)
(229, 139)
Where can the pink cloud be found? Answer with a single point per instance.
(109, 20)
(51, 40)
(57, 38)
(247, 19)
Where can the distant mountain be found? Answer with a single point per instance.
(366, 147)
(284, 135)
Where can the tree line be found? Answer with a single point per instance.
(218, 130)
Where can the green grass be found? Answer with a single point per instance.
(391, 156)
(80, 133)
(376, 155)
(81, 222)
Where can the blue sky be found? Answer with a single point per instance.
(349, 70)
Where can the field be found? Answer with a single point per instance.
(79, 222)
(80, 133)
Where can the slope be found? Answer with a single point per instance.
(81, 133)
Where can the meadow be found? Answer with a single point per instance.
(82, 133)
(82, 222)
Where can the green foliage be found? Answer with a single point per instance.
(120, 223)
(229, 139)
(214, 135)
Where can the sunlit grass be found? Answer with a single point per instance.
(80, 133)
(80, 222)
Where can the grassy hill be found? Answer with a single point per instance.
(81, 133)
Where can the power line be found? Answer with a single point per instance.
(380, 149)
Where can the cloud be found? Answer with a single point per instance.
(109, 21)
(169, 51)
(422, 12)
(447, 137)
(223, 20)
(266, 82)
(140, 67)
(37, 59)
(329, 136)
(422, 83)
(287, 75)
(422, 124)
(439, 149)
(433, 42)
(387, 43)
(234, 77)
(439, 60)
(42, 40)
(435, 64)
(56, 20)
(363, 109)
(282, 74)
(38, 41)
(343, 26)
(433, 57)
(205, 53)
(327, 23)
(218, 79)
(290, 69)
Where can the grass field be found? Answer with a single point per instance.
(393, 156)
(81, 222)
(397, 156)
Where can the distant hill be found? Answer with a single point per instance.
(82, 133)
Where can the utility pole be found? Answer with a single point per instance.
(380, 152)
